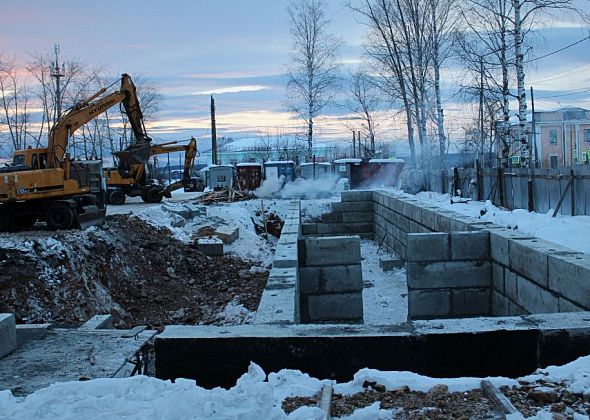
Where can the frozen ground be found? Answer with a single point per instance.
(385, 294)
(569, 231)
(255, 396)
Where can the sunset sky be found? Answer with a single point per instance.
(237, 50)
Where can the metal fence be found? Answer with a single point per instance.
(566, 189)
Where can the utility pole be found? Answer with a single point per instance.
(534, 145)
(354, 143)
(57, 73)
(358, 137)
(481, 125)
(531, 198)
(213, 133)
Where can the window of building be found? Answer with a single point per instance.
(554, 161)
(553, 136)
(221, 178)
(587, 135)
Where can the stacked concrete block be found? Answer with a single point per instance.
(7, 334)
(449, 274)
(330, 279)
(212, 247)
(29, 332)
(532, 276)
(352, 216)
(280, 300)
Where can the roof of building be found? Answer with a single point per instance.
(348, 160)
(393, 160)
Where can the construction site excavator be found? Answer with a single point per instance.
(132, 179)
(45, 184)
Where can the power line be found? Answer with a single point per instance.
(546, 79)
(564, 94)
(559, 50)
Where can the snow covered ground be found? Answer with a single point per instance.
(256, 395)
(569, 231)
(385, 294)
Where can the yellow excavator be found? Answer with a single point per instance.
(45, 184)
(132, 178)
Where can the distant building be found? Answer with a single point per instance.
(562, 137)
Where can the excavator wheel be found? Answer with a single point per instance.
(154, 195)
(59, 216)
(6, 222)
(117, 197)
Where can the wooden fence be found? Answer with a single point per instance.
(566, 189)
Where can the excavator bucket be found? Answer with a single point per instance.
(90, 216)
(134, 154)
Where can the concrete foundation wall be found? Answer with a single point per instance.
(280, 300)
(330, 279)
(7, 334)
(448, 275)
(528, 275)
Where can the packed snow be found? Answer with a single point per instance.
(568, 231)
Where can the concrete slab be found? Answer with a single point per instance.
(7, 334)
(98, 322)
(212, 247)
(390, 263)
(227, 234)
(28, 332)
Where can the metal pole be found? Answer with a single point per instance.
(531, 198)
(353, 143)
(57, 74)
(213, 133)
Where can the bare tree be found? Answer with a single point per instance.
(14, 99)
(364, 102)
(313, 69)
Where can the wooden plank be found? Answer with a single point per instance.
(566, 204)
(554, 190)
(508, 193)
(517, 192)
(541, 191)
(580, 195)
(500, 400)
(325, 401)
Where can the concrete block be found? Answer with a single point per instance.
(356, 196)
(335, 250)
(332, 217)
(427, 247)
(438, 275)
(569, 306)
(470, 245)
(335, 307)
(357, 217)
(351, 228)
(535, 299)
(286, 256)
(309, 228)
(470, 302)
(389, 263)
(510, 284)
(528, 260)
(212, 247)
(28, 332)
(428, 304)
(7, 334)
(227, 234)
(500, 304)
(277, 307)
(498, 277)
(309, 280)
(499, 239)
(427, 217)
(442, 223)
(459, 225)
(341, 278)
(350, 206)
(98, 322)
(569, 276)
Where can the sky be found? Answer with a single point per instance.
(238, 51)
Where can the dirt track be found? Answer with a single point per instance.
(137, 272)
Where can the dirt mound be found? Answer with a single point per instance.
(137, 272)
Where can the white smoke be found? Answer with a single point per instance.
(322, 187)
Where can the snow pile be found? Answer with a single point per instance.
(575, 375)
(235, 313)
(568, 231)
(142, 397)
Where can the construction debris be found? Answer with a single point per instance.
(227, 195)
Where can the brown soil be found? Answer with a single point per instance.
(137, 272)
(407, 404)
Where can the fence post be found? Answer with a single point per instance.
(479, 179)
(529, 184)
(501, 186)
(455, 182)
(573, 195)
